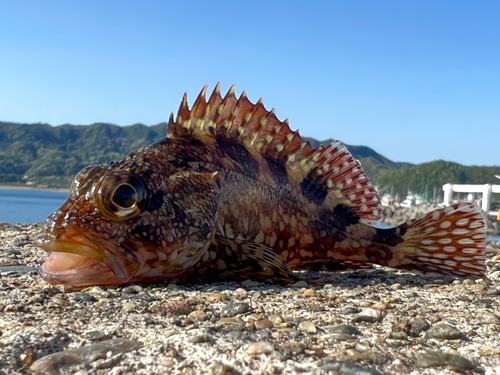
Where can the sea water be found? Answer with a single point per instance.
(33, 206)
(29, 206)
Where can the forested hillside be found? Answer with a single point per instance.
(43, 154)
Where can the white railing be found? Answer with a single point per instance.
(485, 189)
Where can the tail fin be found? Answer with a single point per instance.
(450, 240)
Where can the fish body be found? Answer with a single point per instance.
(233, 193)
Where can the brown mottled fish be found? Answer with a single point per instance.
(233, 193)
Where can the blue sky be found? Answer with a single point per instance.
(416, 81)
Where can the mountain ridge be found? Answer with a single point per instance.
(49, 155)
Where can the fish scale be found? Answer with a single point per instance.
(233, 193)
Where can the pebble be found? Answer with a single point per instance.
(174, 308)
(346, 329)
(439, 358)
(261, 347)
(249, 284)
(263, 324)
(417, 326)
(300, 284)
(342, 332)
(132, 289)
(443, 331)
(217, 297)
(97, 336)
(129, 307)
(82, 297)
(368, 315)
(240, 293)
(489, 318)
(348, 368)
(235, 308)
(308, 293)
(201, 338)
(307, 326)
(57, 362)
(350, 310)
(199, 315)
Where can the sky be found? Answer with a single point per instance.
(416, 81)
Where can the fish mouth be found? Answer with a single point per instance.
(78, 262)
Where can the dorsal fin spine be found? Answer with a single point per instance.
(240, 121)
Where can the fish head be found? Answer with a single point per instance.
(135, 220)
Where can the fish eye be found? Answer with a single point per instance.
(125, 196)
(121, 196)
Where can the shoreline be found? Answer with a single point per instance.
(24, 187)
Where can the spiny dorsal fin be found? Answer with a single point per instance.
(326, 175)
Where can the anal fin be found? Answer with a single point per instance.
(241, 260)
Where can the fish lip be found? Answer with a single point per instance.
(105, 267)
(92, 272)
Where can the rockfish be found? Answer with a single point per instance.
(233, 193)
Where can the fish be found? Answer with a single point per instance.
(232, 193)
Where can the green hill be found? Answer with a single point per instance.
(43, 154)
(49, 155)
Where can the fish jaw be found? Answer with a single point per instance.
(77, 261)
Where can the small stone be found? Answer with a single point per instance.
(240, 293)
(201, 338)
(489, 318)
(129, 307)
(230, 321)
(438, 359)
(308, 293)
(199, 315)
(261, 347)
(350, 310)
(97, 291)
(263, 324)
(276, 319)
(58, 362)
(97, 336)
(417, 326)
(249, 284)
(348, 368)
(433, 319)
(443, 331)
(173, 308)
(489, 350)
(61, 301)
(346, 329)
(399, 335)
(216, 297)
(300, 284)
(82, 297)
(220, 368)
(105, 363)
(396, 286)
(368, 315)
(20, 243)
(400, 280)
(235, 308)
(80, 313)
(307, 326)
(129, 290)
(379, 306)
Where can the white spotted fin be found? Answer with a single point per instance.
(450, 240)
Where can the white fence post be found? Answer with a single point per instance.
(486, 198)
(448, 191)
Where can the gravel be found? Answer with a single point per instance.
(378, 321)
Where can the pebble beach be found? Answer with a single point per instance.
(369, 322)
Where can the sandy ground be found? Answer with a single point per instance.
(379, 321)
